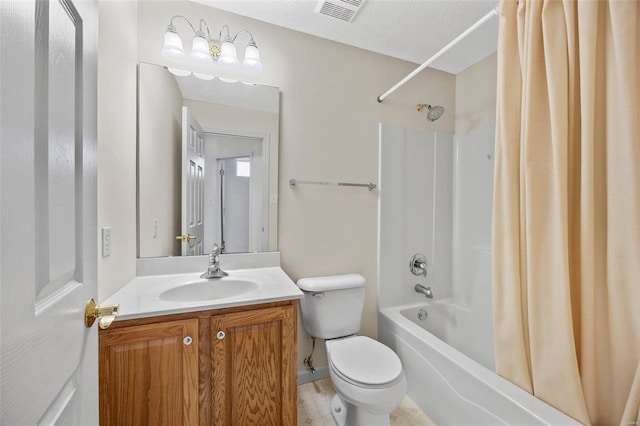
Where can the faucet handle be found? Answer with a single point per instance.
(418, 265)
(215, 250)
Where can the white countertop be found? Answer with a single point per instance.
(140, 298)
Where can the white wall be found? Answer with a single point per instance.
(415, 213)
(473, 198)
(117, 82)
(160, 160)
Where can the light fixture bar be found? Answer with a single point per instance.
(205, 51)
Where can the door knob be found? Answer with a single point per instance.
(104, 314)
(187, 237)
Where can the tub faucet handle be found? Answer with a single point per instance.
(418, 265)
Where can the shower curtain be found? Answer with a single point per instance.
(566, 221)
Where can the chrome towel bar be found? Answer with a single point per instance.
(293, 182)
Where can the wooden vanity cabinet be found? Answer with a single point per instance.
(237, 366)
(149, 374)
(253, 363)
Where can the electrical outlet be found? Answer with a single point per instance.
(106, 241)
(155, 228)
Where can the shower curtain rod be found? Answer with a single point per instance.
(485, 18)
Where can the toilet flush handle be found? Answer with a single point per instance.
(318, 294)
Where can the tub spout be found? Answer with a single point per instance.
(424, 290)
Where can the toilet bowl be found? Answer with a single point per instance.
(368, 378)
(367, 375)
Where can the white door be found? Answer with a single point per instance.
(192, 185)
(48, 235)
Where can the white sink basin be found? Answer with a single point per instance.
(198, 290)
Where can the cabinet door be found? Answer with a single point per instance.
(254, 367)
(149, 374)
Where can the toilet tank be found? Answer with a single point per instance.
(332, 305)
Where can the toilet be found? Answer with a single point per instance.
(367, 375)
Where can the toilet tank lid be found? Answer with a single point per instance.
(331, 282)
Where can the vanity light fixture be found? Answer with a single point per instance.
(206, 51)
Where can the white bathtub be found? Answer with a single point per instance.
(449, 386)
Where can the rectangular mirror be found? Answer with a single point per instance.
(207, 164)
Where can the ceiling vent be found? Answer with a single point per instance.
(344, 10)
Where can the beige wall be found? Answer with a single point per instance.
(476, 95)
(159, 156)
(328, 130)
(117, 59)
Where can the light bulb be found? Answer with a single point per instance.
(200, 50)
(228, 55)
(252, 57)
(172, 48)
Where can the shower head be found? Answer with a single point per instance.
(433, 112)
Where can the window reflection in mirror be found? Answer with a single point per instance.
(207, 165)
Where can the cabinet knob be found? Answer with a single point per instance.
(187, 340)
(220, 335)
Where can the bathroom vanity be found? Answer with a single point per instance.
(173, 359)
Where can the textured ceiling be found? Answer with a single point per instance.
(412, 30)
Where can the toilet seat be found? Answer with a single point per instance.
(365, 362)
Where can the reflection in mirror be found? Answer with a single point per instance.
(207, 165)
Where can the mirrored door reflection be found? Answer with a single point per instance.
(236, 193)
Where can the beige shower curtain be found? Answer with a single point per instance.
(566, 223)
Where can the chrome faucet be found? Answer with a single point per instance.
(214, 271)
(418, 265)
(424, 290)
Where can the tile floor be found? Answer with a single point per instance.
(314, 399)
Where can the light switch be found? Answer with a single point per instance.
(106, 241)
(155, 228)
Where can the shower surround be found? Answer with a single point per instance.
(435, 199)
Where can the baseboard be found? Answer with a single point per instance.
(306, 376)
